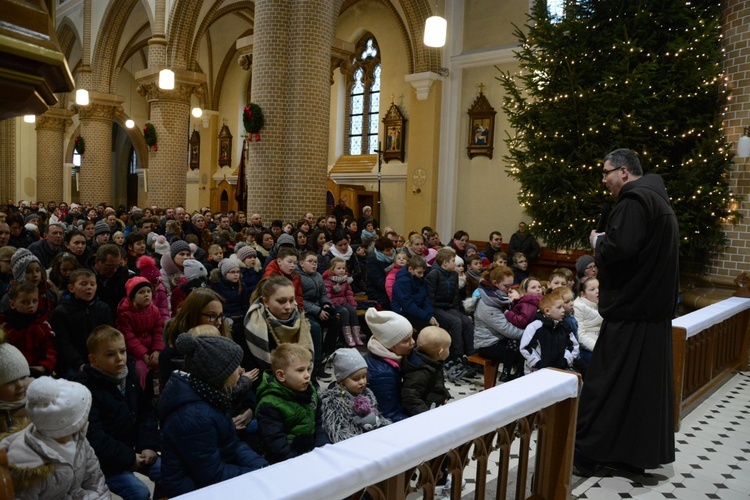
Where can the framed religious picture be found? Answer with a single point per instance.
(195, 150)
(481, 127)
(395, 128)
(225, 147)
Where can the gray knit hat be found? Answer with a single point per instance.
(210, 358)
(151, 239)
(245, 252)
(286, 240)
(227, 265)
(194, 269)
(101, 227)
(347, 362)
(387, 327)
(178, 246)
(13, 364)
(582, 263)
(31, 217)
(20, 261)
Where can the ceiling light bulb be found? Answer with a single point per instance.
(197, 112)
(29, 118)
(166, 79)
(82, 97)
(434, 31)
(129, 123)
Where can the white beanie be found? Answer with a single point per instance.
(347, 362)
(194, 269)
(387, 327)
(161, 246)
(57, 408)
(13, 364)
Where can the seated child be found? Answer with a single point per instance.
(14, 380)
(26, 267)
(74, 319)
(348, 407)
(461, 277)
(147, 267)
(199, 443)
(568, 274)
(586, 308)
(142, 325)
(442, 290)
(51, 458)
(6, 271)
(318, 306)
(284, 265)
(289, 418)
(549, 342)
(28, 330)
(391, 341)
(424, 385)
(250, 268)
(369, 235)
(525, 307)
(410, 297)
(196, 276)
(556, 280)
(520, 268)
(339, 290)
(122, 424)
(400, 259)
(473, 274)
(500, 258)
(227, 282)
(215, 255)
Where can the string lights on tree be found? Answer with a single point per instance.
(646, 76)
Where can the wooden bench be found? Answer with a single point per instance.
(490, 369)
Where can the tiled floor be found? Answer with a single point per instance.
(712, 461)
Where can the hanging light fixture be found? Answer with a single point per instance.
(743, 145)
(435, 30)
(166, 79)
(197, 112)
(29, 118)
(82, 97)
(129, 123)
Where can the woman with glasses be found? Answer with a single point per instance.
(202, 306)
(495, 337)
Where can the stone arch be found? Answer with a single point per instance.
(229, 59)
(135, 136)
(67, 35)
(107, 42)
(71, 144)
(130, 50)
(214, 14)
(182, 22)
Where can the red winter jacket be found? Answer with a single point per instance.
(142, 328)
(34, 341)
(272, 269)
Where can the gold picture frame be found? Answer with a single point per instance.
(481, 127)
(395, 128)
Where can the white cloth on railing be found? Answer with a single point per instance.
(337, 471)
(697, 321)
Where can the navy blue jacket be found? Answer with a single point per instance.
(120, 425)
(376, 272)
(72, 321)
(410, 296)
(442, 288)
(384, 380)
(236, 300)
(199, 443)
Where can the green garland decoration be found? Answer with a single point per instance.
(149, 134)
(252, 118)
(80, 145)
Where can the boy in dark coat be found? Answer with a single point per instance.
(74, 319)
(410, 297)
(424, 385)
(122, 424)
(549, 342)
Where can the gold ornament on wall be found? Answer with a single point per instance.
(395, 130)
(225, 147)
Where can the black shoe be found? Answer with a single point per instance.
(632, 469)
(584, 467)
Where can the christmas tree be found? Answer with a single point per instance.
(644, 75)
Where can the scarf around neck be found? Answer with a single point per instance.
(211, 395)
(119, 380)
(345, 256)
(383, 257)
(493, 296)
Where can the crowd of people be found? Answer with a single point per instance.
(193, 348)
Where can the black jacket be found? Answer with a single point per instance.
(111, 290)
(72, 321)
(424, 383)
(120, 425)
(442, 288)
(44, 252)
(375, 287)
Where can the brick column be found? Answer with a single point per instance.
(96, 165)
(287, 171)
(50, 128)
(169, 112)
(7, 160)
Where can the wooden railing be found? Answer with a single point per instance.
(412, 455)
(708, 346)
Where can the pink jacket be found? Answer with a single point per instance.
(344, 295)
(523, 311)
(161, 301)
(142, 328)
(390, 279)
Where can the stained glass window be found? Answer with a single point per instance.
(364, 98)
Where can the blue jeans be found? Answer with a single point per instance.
(128, 486)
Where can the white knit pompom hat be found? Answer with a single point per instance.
(57, 408)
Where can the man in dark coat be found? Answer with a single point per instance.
(111, 275)
(522, 241)
(52, 244)
(342, 210)
(625, 413)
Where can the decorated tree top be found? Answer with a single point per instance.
(641, 75)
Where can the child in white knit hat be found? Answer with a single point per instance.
(391, 341)
(14, 380)
(51, 458)
(348, 408)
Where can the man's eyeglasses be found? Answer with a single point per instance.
(608, 171)
(213, 318)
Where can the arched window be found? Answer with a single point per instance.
(364, 98)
